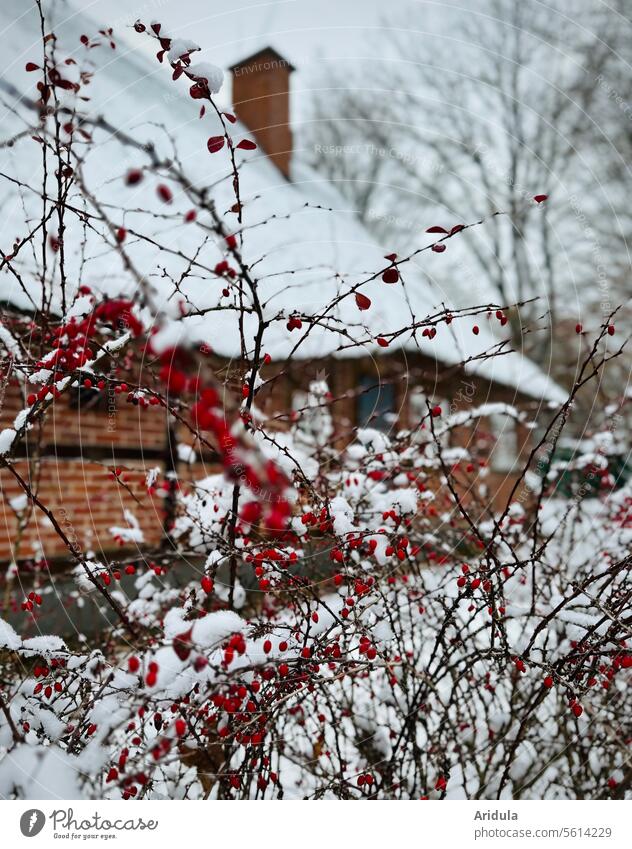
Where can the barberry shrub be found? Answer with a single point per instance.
(337, 611)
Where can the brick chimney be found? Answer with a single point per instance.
(261, 100)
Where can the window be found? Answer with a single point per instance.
(375, 403)
(504, 451)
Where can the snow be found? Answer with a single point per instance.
(215, 627)
(213, 75)
(152, 476)
(39, 773)
(186, 454)
(7, 340)
(181, 47)
(6, 440)
(81, 574)
(306, 245)
(43, 645)
(131, 532)
(19, 502)
(8, 638)
(80, 307)
(342, 515)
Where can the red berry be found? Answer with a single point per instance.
(134, 176)
(164, 193)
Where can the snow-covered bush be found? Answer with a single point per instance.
(333, 616)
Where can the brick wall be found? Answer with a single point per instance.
(70, 460)
(69, 464)
(105, 421)
(85, 501)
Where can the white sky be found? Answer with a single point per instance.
(308, 32)
(230, 29)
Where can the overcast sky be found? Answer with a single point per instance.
(231, 29)
(310, 33)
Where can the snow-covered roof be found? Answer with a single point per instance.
(300, 238)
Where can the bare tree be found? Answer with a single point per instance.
(477, 115)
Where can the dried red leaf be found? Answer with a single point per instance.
(362, 302)
(391, 275)
(246, 144)
(437, 229)
(215, 143)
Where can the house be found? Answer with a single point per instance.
(101, 463)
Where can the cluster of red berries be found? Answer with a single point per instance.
(236, 645)
(464, 580)
(367, 648)
(31, 600)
